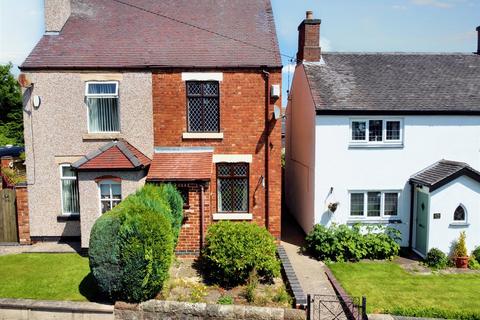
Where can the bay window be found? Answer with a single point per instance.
(103, 110)
(374, 204)
(69, 190)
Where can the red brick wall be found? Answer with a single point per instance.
(309, 42)
(22, 215)
(5, 162)
(242, 121)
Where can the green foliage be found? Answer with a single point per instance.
(473, 264)
(234, 249)
(436, 259)
(131, 247)
(342, 243)
(433, 312)
(460, 247)
(282, 296)
(476, 254)
(14, 176)
(225, 299)
(11, 113)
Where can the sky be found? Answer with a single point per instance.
(347, 25)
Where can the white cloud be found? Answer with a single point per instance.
(433, 3)
(399, 7)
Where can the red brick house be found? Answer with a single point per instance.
(190, 93)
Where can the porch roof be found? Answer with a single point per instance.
(443, 172)
(178, 166)
(115, 155)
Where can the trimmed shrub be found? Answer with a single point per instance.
(131, 247)
(342, 243)
(476, 254)
(233, 250)
(436, 259)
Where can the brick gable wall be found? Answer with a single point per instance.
(242, 121)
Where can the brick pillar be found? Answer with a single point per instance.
(5, 161)
(23, 218)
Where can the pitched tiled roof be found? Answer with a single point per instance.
(443, 172)
(116, 155)
(189, 166)
(396, 82)
(109, 34)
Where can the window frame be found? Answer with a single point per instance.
(232, 177)
(202, 96)
(384, 141)
(108, 182)
(61, 166)
(365, 215)
(465, 214)
(103, 95)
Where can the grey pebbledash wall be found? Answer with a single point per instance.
(173, 310)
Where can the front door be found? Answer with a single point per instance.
(422, 223)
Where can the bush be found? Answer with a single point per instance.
(436, 259)
(476, 254)
(234, 249)
(342, 243)
(131, 247)
(460, 247)
(473, 264)
(226, 300)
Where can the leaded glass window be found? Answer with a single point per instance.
(232, 188)
(203, 105)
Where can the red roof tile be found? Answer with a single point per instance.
(117, 155)
(109, 34)
(181, 166)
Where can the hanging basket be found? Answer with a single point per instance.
(332, 206)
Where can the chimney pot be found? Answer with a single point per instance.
(309, 15)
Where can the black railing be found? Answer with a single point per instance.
(336, 307)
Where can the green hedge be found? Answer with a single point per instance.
(343, 243)
(131, 247)
(436, 259)
(234, 249)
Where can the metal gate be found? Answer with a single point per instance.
(8, 217)
(335, 307)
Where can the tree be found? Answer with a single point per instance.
(11, 114)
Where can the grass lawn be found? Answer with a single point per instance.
(390, 289)
(46, 276)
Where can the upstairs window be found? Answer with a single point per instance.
(376, 132)
(70, 195)
(203, 104)
(232, 189)
(103, 111)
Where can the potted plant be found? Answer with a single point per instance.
(460, 252)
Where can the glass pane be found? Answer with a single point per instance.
(210, 89)
(194, 88)
(356, 204)
(240, 195)
(359, 130)
(211, 114)
(393, 130)
(116, 191)
(102, 88)
(391, 204)
(459, 214)
(105, 191)
(240, 170)
(225, 195)
(106, 206)
(70, 198)
(375, 128)
(195, 115)
(373, 204)
(224, 169)
(103, 115)
(67, 171)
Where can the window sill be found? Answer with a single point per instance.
(232, 216)
(459, 224)
(374, 221)
(351, 145)
(102, 136)
(68, 217)
(202, 135)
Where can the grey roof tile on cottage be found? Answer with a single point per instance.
(395, 82)
(443, 172)
(109, 34)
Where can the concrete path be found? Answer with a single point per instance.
(41, 247)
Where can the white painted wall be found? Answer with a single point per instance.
(427, 139)
(300, 152)
(443, 231)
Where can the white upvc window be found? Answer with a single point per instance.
(376, 131)
(374, 204)
(69, 190)
(103, 107)
(110, 194)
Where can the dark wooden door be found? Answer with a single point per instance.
(8, 219)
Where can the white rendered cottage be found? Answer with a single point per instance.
(393, 138)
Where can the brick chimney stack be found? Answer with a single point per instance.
(478, 40)
(309, 39)
(56, 14)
